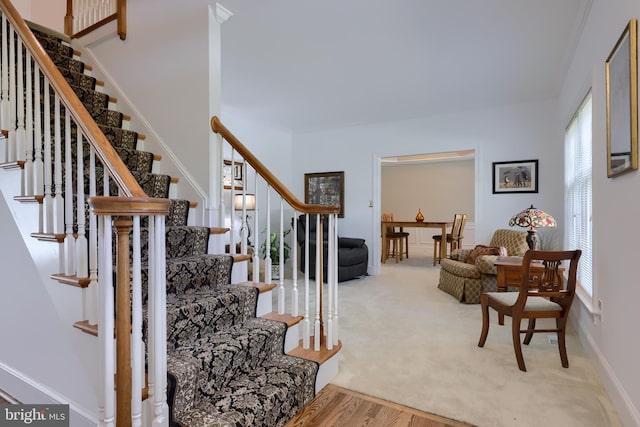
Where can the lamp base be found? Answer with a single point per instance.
(532, 239)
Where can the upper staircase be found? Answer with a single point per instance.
(197, 349)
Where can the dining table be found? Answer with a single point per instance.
(442, 225)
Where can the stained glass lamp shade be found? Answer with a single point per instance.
(532, 218)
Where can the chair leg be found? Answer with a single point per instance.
(517, 348)
(406, 244)
(500, 319)
(530, 327)
(435, 251)
(562, 346)
(484, 306)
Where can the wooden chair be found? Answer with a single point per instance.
(454, 239)
(395, 248)
(540, 296)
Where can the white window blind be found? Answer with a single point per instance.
(578, 186)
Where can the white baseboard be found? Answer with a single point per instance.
(627, 411)
(26, 390)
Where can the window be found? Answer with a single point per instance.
(578, 187)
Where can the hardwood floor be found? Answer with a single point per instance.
(338, 407)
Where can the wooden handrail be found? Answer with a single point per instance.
(103, 148)
(262, 170)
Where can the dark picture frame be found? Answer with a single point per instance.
(233, 172)
(325, 188)
(518, 176)
(621, 75)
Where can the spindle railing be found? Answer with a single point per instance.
(65, 160)
(85, 16)
(323, 317)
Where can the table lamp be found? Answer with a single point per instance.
(532, 218)
(248, 201)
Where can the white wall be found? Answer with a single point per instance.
(615, 203)
(163, 68)
(514, 132)
(438, 189)
(273, 147)
(48, 13)
(43, 358)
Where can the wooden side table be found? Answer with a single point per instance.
(509, 272)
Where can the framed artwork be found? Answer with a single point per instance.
(232, 173)
(325, 188)
(519, 176)
(621, 74)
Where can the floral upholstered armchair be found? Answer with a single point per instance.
(470, 272)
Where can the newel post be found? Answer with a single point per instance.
(123, 323)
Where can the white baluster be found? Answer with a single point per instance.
(256, 238)
(11, 150)
(28, 149)
(48, 201)
(106, 322)
(4, 104)
(69, 241)
(306, 329)
(281, 290)
(294, 269)
(20, 131)
(335, 292)
(331, 244)
(151, 315)
(38, 185)
(318, 281)
(160, 407)
(58, 201)
(137, 358)
(93, 247)
(82, 262)
(267, 258)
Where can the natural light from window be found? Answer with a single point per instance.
(578, 187)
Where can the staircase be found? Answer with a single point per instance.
(204, 352)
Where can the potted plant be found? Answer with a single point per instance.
(274, 252)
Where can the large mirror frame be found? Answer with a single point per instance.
(621, 73)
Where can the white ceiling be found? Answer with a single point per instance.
(310, 65)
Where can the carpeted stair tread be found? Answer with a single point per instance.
(120, 137)
(52, 44)
(67, 63)
(230, 352)
(200, 313)
(185, 241)
(78, 80)
(268, 396)
(187, 274)
(178, 213)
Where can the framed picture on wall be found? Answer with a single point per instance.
(621, 75)
(232, 173)
(325, 188)
(519, 176)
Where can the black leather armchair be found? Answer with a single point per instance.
(353, 254)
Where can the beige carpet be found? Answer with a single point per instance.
(406, 341)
